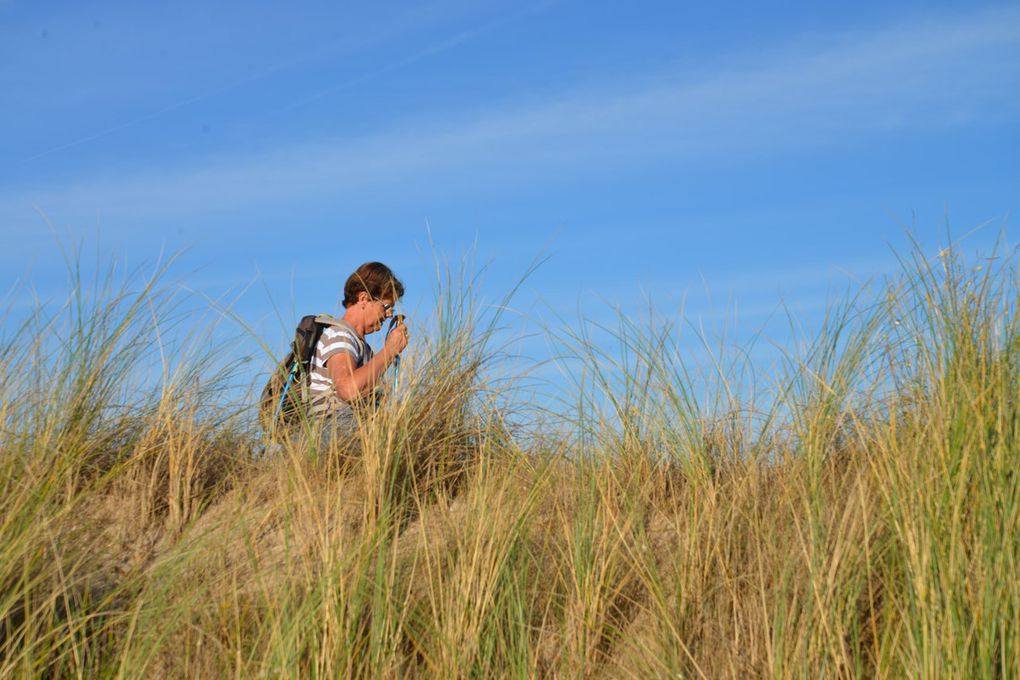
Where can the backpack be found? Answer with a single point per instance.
(284, 398)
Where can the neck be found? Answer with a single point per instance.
(355, 320)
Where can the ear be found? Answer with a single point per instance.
(364, 297)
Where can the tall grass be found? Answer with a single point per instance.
(858, 519)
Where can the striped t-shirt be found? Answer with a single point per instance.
(335, 339)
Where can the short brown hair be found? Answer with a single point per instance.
(374, 278)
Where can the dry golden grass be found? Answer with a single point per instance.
(864, 523)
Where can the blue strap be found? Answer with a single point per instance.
(286, 388)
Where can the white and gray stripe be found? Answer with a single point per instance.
(336, 338)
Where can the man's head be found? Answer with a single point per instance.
(376, 280)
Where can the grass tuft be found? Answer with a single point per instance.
(857, 516)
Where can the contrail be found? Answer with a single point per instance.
(438, 48)
(117, 128)
(281, 65)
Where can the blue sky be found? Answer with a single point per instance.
(762, 152)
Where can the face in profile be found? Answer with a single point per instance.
(378, 311)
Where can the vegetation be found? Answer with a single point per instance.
(862, 519)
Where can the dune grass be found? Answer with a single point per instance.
(860, 519)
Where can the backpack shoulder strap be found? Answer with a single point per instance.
(327, 320)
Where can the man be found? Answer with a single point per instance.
(344, 370)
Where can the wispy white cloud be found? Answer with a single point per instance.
(927, 74)
(333, 48)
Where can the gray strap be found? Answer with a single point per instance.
(340, 323)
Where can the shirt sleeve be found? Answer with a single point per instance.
(335, 341)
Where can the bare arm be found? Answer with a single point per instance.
(351, 382)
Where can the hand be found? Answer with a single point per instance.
(396, 340)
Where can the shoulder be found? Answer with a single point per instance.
(338, 331)
(339, 339)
